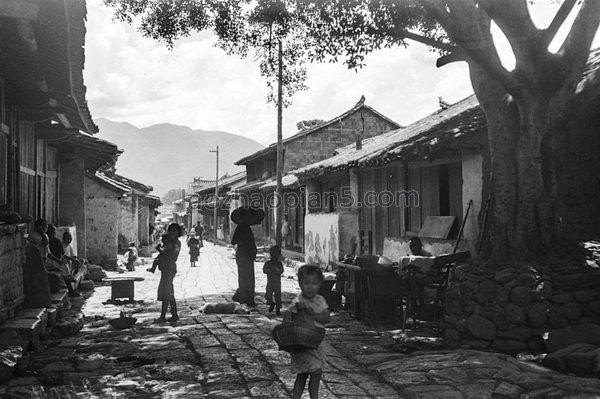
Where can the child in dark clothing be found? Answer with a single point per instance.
(167, 264)
(273, 268)
(194, 246)
(166, 241)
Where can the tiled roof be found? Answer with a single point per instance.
(302, 133)
(132, 183)
(152, 200)
(422, 137)
(108, 182)
(61, 32)
(96, 152)
(288, 181)
(459, 119)
(223, 182)
(252, 186)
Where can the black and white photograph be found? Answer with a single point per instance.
(335, 199)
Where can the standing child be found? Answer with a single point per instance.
(309, 306)
(132, 256)
(194, 246)
(167, 264)
(273, 268)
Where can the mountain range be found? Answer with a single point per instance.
(167, 156)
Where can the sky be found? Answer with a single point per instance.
(135, 79)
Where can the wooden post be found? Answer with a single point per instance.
(216, 193)
(278, 196)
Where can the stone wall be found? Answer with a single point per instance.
(517, 308)
(128, 229)
(102, 223)
(12, 256)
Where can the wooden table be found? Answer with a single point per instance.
(122, 287)
(359, 298)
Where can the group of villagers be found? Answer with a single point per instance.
(307, 307)
(56, 255)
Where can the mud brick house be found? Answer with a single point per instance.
(138, 213)
(45, 128)
(374, 194)
(307, 146)
(399, 184)
(103, 217)
(114, 202)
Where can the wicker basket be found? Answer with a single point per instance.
(122, 322)
(295, 337)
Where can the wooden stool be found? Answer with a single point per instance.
(122, 287)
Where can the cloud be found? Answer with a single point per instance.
(138, 80)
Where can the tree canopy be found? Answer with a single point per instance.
(525, 107)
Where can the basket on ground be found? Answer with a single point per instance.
(122, 322)
(294, 337)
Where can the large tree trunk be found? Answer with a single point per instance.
(503, 124)
(522, 222)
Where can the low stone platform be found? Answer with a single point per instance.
(31, 324)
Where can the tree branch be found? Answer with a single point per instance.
(404, 34)
(468, 26)
(576, 48)
(562, 14)
(456, 56)
(512, 17)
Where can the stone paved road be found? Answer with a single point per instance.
(233, 356)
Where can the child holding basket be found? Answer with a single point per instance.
(308, 307)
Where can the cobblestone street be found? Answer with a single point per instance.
(233, 356)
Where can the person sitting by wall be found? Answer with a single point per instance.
(55, 260)
(416, 247)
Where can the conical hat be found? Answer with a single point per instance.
(247, 215)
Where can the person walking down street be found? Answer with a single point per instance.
(199, 230)
(167, 264)
(194, 246)
(245, 253)
(273, 268)
(285, 231)
(308, 307)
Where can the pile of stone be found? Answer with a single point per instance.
(513, 308)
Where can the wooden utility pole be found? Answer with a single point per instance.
(278, 195)
(216, 192)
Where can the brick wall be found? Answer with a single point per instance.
(12, 256)
(320, 144)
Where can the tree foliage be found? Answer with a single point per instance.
(526, 108)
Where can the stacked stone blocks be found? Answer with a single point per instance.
(517, 308)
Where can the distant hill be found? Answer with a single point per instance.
(167, 156)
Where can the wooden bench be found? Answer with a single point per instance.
(122, 287)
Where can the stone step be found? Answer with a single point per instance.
(60, 297)
(30, 325)
(28, 330)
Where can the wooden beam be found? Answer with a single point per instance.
(19, 9)
(40, 114)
